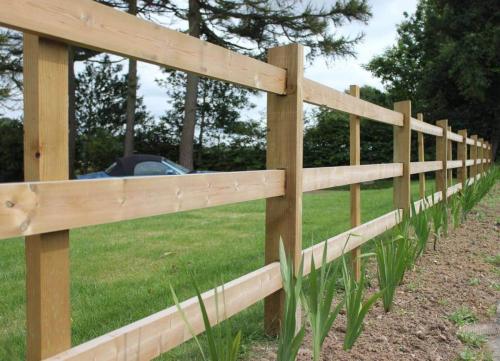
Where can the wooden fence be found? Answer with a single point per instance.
(47, 205)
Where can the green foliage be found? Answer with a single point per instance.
(473, 355)
(438, 214)
(392, 261)
(318, 301)
(289, 339)
(421, 225)
(456, 210)
(356, 308)
(471, 339)
(468, 198)
(11, 150)
(222, 345)
(463, 316)
(445, 60)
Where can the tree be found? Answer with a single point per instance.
(446, 60)
(11, 150)
(101, 110)
(219, 106)
(11, 51)
(253, 26)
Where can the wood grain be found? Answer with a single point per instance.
(442, 156)
(401, 154)
(45, 158)
(322, 95)
(423, 167)
(421, 158)
(95, 26)
(285, 133)
(37, 207)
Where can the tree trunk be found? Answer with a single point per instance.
(72, 123)
(131, 94)
(190, 101)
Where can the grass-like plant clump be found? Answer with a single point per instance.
(471, 339)
(421, 226)
(223, 345)
(356, 307)
(463, 316)
(318, 301)
(290, 339)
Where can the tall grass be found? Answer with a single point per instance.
(455, 209)
(290, 339)
(356, 308)
(318, 301)
(437, 212)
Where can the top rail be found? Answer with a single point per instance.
(455, 137)
(92, 25)
(322, 95)
(423, 127)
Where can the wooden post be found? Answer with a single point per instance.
(441, 155)
(421, 158)
(449, 155)
(284, 151)
(401, 151)
(480, 155)
(462, 155)
(46, 159)
(355, 159)
(473, 148)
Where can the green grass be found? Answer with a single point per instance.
(121, 272)
(463, 316)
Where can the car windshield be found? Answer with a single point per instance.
(110, 168)
(177, 167)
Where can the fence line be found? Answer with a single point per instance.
(47, 205)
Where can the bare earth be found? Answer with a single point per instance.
(417, 328)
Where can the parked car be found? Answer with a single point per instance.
(139, 165)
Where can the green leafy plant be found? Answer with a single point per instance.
(421, 226)
(222, 344)
(356, 309)
(318, 301)
(462, 316)
(391, 265)
(471, 339)
(437, 212)
(456, 210)
(473, 355)
(289, 340)
(468, 198)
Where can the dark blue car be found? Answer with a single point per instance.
(139, 165)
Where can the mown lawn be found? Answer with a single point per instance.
(120, 272)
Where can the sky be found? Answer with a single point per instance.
(380, 33)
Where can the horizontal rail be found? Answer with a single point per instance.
(39, 207)
(327, 177)
(453, 189)
(423, 127)
(455, 137)
(91, 25)
(151, 336)
(469, 162)
(322, 95)
(422, 167)
(347, 241)
(470, 141)
(451, 164)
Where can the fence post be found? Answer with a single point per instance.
(449, 155)
(441, 155)
(46, 159)
(402, 149)
(473, 156)
(421, 158)
(462, 155)
(480, 155)
(355, 159)
(284, 151)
